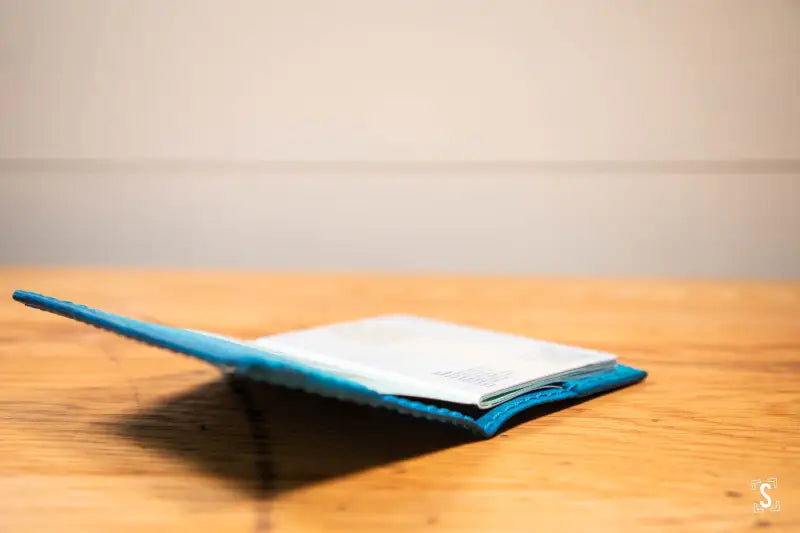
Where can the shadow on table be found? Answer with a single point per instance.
(269, 439)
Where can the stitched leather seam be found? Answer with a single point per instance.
(546, 394)
(615, 377)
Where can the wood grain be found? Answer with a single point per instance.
(102, 434)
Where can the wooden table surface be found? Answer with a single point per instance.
(98, 433)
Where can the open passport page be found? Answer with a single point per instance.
(419, 357)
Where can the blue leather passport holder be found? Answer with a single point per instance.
(257, 364)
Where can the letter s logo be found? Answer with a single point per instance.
(768, 503)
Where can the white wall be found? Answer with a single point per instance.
(609, 137)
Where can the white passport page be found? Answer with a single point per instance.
(413, 356)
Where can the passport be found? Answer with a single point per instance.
(469, 377)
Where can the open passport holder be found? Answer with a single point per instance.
(256, 364)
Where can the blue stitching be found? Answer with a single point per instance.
(612, 377)
(617, 378)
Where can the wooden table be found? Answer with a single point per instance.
(98, 433)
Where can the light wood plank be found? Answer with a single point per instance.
(101, 434)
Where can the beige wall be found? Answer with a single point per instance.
(610, 137)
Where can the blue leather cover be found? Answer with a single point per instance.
(257, 364)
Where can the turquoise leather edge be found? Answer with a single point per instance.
(259, 365)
